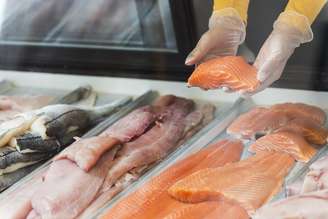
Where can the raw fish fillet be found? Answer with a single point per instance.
(105, 197)
(144, 203)
(309, 129)
(132, 125)
(86, 152)
(262, 121)
(229, 71)
(67, 190)
(208, 210)
(192, 123)
(317, 178)
(250, 183)
(301, 110)
(294, 188)
(306, 206)
(33, 215)
(153, 145)
(259, 120)
(286, 142)
(18, 205)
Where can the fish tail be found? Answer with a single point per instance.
(108, 109)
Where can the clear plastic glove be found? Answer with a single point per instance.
(277, 49)
(226, 32)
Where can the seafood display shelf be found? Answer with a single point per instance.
(299, 169)
(229, 107)
(94, 131)
(144, 99)
(218, 132)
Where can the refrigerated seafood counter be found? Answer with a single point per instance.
(102, 147)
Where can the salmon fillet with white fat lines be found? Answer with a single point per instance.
(250, 183)
(229, 71)
(309, 129)
(304, 119)
(258, 120)
(302, 110)
(285, 142)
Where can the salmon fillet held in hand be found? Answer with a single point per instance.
(229, 71)
(285, 142)
(250, 183)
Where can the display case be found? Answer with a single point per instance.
(134, 38)
(128, 53)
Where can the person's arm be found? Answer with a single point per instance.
(308, 8)
(227, 30)
(241, 6)
(291, 29)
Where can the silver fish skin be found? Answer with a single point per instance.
(11, 160)
(57, 120)
(31, 142)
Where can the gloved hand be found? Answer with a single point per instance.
(226, 32)
(290, 30)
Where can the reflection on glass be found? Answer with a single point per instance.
(130, 24)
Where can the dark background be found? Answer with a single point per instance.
(307, 68)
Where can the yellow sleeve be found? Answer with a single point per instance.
(308, 8)
(240, 5)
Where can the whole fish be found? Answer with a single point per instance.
(11, 159)
(56, 125)
(57, 120)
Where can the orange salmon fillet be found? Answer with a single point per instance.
(310, 130)
(301, 110)
(259, 120)
(229, 71)
(286, 142)
(250, 183)
(152, 199)
(208, 210)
